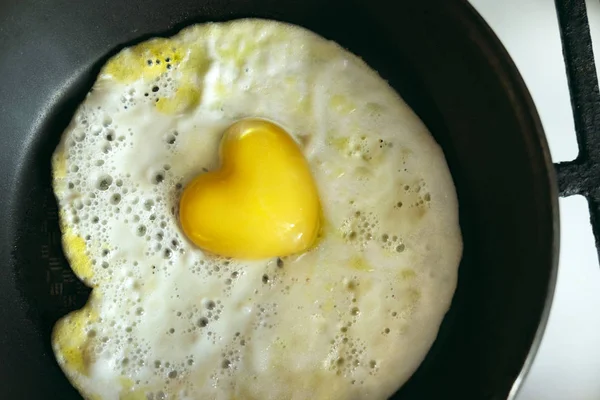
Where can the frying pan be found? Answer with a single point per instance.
(438, 54)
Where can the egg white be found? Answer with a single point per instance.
(350, 319)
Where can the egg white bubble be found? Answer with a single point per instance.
(350, 319)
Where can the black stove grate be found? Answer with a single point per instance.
(582, 175)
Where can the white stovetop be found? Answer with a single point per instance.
(567, 366)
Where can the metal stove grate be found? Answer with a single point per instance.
(582, 175)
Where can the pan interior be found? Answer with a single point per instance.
(442, 61)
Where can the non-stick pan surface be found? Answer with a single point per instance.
(438, 54)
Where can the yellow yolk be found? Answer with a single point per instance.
(261, 203)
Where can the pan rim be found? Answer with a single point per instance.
(522, 101)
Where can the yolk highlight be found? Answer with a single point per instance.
(261, 203)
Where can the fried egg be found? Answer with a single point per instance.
(173, 315)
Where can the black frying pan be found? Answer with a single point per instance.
(438, 54)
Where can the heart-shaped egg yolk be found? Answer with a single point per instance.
(262, 202)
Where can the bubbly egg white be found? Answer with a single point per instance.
(350, 319)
